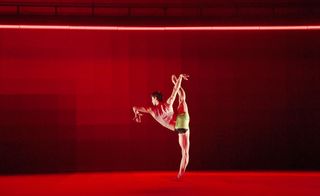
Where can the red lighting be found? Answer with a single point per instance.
(177, 28)
(163, 183)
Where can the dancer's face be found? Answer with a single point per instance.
(154, 101)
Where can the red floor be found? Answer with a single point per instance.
(164, 183)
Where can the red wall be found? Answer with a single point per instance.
(66, 98)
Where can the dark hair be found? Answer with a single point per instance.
(157, 94)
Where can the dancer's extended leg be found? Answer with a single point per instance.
(184, 138)
(182, 106)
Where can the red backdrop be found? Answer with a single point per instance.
(66, 98)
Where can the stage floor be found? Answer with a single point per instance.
(164, 183)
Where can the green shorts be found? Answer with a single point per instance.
(182, 122)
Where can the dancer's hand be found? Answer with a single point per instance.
(184, 76)
(173, 79)
(137, 117)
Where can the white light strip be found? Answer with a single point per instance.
(137, 28)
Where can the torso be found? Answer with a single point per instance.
(164, 114)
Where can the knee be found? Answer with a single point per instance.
(182, 102)
(185, 153)
(182, 98)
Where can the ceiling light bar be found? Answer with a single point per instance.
(177, 28)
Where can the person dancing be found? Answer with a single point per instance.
(162, 112)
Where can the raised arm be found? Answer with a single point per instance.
(176, 88)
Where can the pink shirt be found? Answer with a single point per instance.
(164, 114)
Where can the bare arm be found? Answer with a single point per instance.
(176, 88)
(137, 112)
(140, 109)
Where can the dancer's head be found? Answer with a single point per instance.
(156, 97)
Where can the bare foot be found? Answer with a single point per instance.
(179, 176)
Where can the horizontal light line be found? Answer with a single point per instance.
(177, 28)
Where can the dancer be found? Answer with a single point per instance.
(162, 111)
